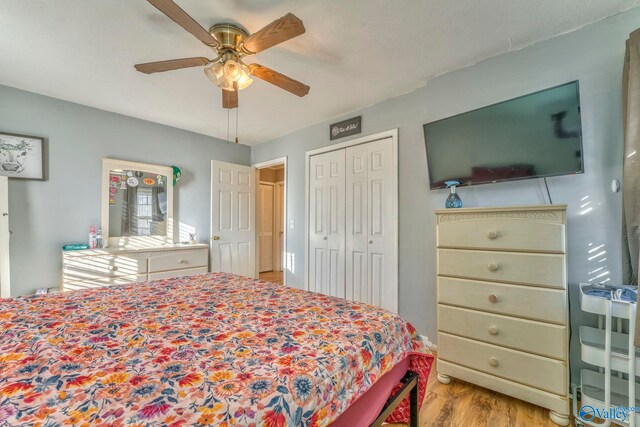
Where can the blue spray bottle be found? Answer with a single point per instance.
(453, 201)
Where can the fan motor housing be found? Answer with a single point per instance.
(229, 36)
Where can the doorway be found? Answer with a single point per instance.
(270, 220)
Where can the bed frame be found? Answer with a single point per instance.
(409, 386)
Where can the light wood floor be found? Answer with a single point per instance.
(461, 404)
(272, 276)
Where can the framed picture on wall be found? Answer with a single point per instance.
(21, 156)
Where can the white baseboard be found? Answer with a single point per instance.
(431, 346)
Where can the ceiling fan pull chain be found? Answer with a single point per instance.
(228, 120)
(237, 116)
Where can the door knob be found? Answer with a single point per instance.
(215, 238)
(5, 214)
(370, 241)
(324, 238)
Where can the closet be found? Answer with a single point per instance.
(352, 235)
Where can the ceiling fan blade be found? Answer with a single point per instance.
(180, 17)
(229, 99)
(280, 80)
(280, 30)
(173, 64)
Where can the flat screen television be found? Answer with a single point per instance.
(533, 136)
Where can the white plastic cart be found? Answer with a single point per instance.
(613, 352)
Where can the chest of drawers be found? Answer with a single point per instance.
(502, 302)
(118, 266)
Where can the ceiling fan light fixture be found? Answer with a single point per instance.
(224, 75)
(244, 81)
(214, 73)
(232, 70)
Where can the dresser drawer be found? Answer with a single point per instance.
(528, 269)
(520, 334)
(551, 401)
(501, 234)
(175, 260)
(72, 285)
(177, 273)
(548, 305)
(97, 266)
(531, 370)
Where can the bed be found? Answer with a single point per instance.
(212, 349)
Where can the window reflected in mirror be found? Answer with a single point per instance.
(137, 203)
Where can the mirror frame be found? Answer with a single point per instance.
(136, 241)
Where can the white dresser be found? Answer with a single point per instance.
(502, 302)
(120, 265)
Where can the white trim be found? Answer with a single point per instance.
(110, 164)
(5, 238)
(391, 133)
(266, 164)
(278, 227)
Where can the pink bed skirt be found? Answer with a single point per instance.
(366, 409)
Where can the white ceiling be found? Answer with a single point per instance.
(355, 53)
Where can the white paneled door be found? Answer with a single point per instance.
(265, 227)
(327, 223)
(233, 218)
(371, 254)
(278, 229)
(5, 275)
(353, 222)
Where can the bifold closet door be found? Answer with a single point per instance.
(327, 223)
(371, 254)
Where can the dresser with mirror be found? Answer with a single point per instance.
(138, 232)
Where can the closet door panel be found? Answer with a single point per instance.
(327, 228)
(336, 223)
(381, 231)
(357, 224)
(317, 241)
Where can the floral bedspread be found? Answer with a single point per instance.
(213, 349)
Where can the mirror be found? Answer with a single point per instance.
(137, 203)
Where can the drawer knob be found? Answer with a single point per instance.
(493, 330)
(112, 268)
(181, 261)
(493, 362)
(492, 235)
(493, 298)
(494, 266)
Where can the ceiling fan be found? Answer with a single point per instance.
(232, 44)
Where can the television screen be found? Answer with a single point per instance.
(533, 136)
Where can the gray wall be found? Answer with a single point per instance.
(45, 215)
(593, 55)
